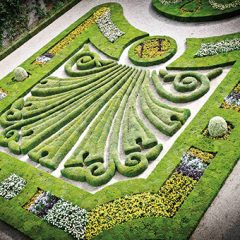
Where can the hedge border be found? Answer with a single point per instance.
(171, 13)
(182, 225)
(152, 61)
(159, 228)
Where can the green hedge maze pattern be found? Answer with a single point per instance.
(100, 96)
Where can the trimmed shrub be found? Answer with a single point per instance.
(217, 127)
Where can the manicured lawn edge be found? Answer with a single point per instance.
(188, 61)
(172, 13)
(37, 29)
(179, 227)
(184, 221)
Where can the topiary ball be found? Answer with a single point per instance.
(20, 74)
(217, 127)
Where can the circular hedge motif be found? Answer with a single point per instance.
(152, 50)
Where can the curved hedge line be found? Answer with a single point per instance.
(143, 61)
(193, 11)
(190, 85)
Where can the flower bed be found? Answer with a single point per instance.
(108, 28)
(71, 36)
(11, 186)
(225, 46)
(71, 218)
(232, 101)
(164, 203)
(42, 203)
(58, 212)
(3, 94)
(152, 50)
(224, 6)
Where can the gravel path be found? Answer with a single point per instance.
(222, 219)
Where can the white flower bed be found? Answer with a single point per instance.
(71, 218)
(169, 2)
(108, 28)
(221, 6)
(2, 95)
(11, 186)
(210, 49)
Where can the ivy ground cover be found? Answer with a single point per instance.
(102, 97)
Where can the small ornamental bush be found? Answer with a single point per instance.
(217, 127)
(20, 74)
(11, 186)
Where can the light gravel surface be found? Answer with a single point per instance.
(222, 219)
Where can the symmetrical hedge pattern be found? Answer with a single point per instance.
(101, 95)
(152, 50)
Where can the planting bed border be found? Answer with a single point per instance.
(152, 61)
(184, 222)
(208, 13)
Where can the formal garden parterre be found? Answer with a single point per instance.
(101, 98)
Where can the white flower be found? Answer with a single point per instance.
(71, 218)
(11, 186)
(225, 46)
(108, 28)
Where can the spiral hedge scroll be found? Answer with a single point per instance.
(189, 85)
(98, 101)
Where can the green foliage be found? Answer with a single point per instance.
(217, 127)
(193, 10)
(20, 74)
(189, 61)
(190, 85)
(152, 53)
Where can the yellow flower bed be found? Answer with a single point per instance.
(78, 30)
(233, 107)
(152, 48)
(204, 156)
(164, 203)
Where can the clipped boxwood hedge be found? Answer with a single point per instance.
(193, 11)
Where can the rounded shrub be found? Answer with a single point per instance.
(20, 74)
(217, 127)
